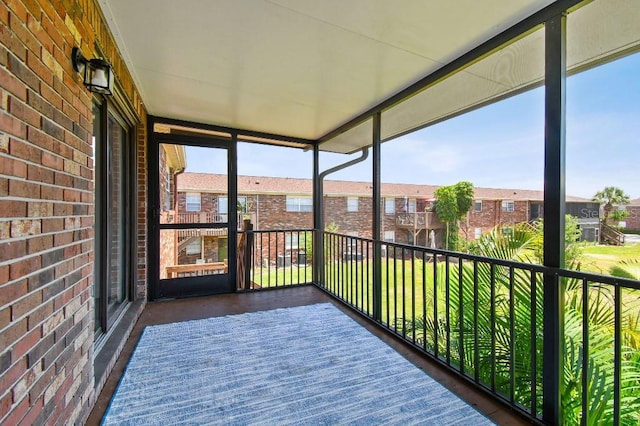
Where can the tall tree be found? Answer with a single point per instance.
(452, 203)
(610, 196)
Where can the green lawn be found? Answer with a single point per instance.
(600, 259)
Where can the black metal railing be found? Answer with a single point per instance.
(483, 319)
(277, 258)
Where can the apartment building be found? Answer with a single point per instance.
(274, 203)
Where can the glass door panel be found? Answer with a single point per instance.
(194, 221)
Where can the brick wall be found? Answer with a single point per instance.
(46, 197)
(492, 215)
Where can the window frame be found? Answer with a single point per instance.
(353, 204)
(106, 317)
(389, 206)
(477, 203)
(508, 206)
(187, 202)
(298, 204)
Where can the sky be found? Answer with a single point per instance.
(497, 146)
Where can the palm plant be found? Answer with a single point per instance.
(492, 329)
(610, 196)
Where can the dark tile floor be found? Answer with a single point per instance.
(229, 304)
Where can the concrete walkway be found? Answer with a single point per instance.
(631, 238)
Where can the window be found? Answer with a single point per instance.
(389, 206)
(411, 206)
(508, 206)
(291, 241)
(389, 236)
(477, 206)
(352, 204)
(477, 233)
(195, 246)
(223, 204)
(299, 204)
(193, 202)
(115, 220)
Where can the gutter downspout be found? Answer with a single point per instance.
(363, 157)
(318, 254)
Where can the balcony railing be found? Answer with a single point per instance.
(483, 319)
(277, 258)
(171, 216)
(418, 220)
(197, 269)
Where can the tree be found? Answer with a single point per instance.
(610, 196)
(452, 204)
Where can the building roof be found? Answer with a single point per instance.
(635, 202)
(208, 182)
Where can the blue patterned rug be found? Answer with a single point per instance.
(304, 365)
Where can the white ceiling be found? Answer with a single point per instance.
(293, 67)
(301, 68)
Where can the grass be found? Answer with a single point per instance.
(601, 259)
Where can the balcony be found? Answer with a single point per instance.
(231, 304)
(173, 217)
(475, 323)
(418, 221)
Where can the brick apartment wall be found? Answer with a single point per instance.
(633, 220)
(46, 199)
(492, 216)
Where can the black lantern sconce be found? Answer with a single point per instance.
(97, 74)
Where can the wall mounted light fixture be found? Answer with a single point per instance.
(97, 74)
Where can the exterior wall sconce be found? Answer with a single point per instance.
(97, 74)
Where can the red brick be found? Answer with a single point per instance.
(27, 342)
(12, 125)
(40, 69)
(40, 139)
(51, 193)
(10, 83)
(36, 29)
(5, 317)
(13, 167)
(36, 317)
(20, 70)
(34, 411)
(5, 404)
(53, 161)
(24, 151)
(11, 292)
(10, 335)
(4, 277)
(19, 188)
(4, 17)
(38, 244)
(50, 28)
(18, 10)
(40, 174)
(18, 412)
(26, 304)
(21, 31)
(13, 44)
(52, 225)
(51, 96)
(33, 7)
(22, 111)
(12, 250)
(24, 267)
(11, 208)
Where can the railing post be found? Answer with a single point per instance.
(248, 249)
(377, 221)
(554, 217)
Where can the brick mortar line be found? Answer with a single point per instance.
(40, 253)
